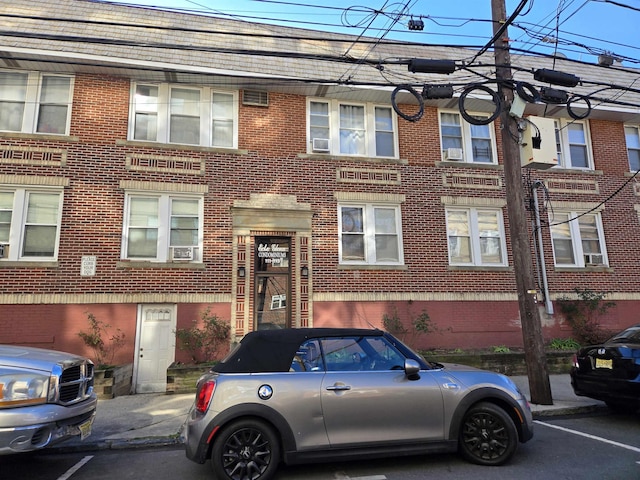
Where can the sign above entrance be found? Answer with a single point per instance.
(272, 254)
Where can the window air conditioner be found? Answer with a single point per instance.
(320, 144)
(593, 259)
(454, 154)
(182, 253)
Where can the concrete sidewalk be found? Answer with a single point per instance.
(155, 419)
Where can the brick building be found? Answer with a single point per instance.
(155, 165)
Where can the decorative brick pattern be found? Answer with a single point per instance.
(159, 163)
(33, 156)
(373, 177)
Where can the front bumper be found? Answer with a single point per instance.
(32, 428)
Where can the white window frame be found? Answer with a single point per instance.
(13, 250)
(573, 227)
(163, 114)
(370, 128)
(369, 233)
(278, 302)
(32, 102)
(635, 148)
(474, 235)
(163, 226)
(467, 138)
(562, 135)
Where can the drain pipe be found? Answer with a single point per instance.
(540, 250)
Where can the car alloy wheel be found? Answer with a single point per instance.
(488, 435)
(245, 450)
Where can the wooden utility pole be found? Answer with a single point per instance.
(539, 386)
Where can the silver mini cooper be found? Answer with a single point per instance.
(308, 395)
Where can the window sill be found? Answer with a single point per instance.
(576, 269)
(28, 264)
(486, 166)
(575, 171)
(372, 267)
(352, 158)
(179, 146)
(479, 268)
(40, 136)
(124, 264)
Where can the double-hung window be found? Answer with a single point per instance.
(162, 228)
(33, 102)
(341, 128)
(370, 234)
(578, 240)
(30, 223)
(168, 113)
(464, 142)
(573, 144)
(476, 237)
(632, 136)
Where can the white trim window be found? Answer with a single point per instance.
(370, 234)
(358, 129)
(162, 227)
(34, 102)
(578, 240)
(476, 237)
(30, 222)
(185, 115)
(464, 142)
(632, 137)
(573, 144)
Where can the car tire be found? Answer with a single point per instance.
(245, 450)
(488, 435)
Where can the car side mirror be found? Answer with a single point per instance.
(411, 369)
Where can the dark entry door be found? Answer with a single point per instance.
(272, 283)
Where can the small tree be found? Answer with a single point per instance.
(99, 339)
(583, 315)
(203, 343)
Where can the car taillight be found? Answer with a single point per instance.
(575, 361)
(205, 394)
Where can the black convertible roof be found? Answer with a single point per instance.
(273, 350)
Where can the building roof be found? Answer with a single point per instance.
(148, 44)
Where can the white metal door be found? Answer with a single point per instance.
(156, 347)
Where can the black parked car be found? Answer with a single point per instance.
(611, 371)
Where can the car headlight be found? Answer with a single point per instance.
(23, 388)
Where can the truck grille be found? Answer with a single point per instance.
(75, 383)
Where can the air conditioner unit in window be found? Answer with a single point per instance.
(320, 144)
(593, 259)
(182, 253)
(453, 154)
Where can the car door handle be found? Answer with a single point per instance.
(339, 388)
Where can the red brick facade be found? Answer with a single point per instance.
(271, 160)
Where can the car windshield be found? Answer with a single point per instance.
(631, 334)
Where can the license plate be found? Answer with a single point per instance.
(85, 429)
(604, 363)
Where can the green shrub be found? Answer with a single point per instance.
(563, 344)
(203, 343)
(103, 344)
(583, 314)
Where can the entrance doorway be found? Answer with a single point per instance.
(156, 346)
(272, 297)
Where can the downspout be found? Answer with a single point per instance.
(540, 249)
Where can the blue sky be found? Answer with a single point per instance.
(586, 27)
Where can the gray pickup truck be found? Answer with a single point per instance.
(45, 397)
